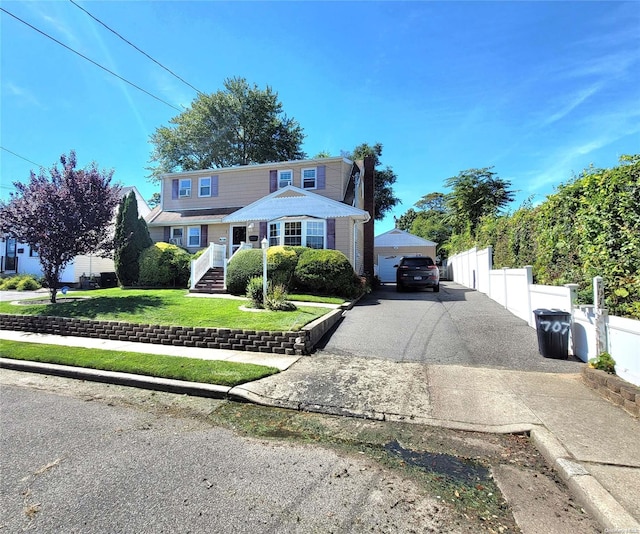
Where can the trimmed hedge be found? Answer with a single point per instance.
(326, 272)
(164, 265)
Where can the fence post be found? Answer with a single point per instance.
(600, 315)
(529, 269)
(504, 285)
(573, 298)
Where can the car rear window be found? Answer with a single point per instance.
(417, 262)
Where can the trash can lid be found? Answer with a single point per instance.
(543, 311)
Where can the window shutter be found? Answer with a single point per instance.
(331, 233)
(263, 230)
(167, 233)
(214, 185)
(273, 182)
(175, 186)
(322, 174)
(204, 235)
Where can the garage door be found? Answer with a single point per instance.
(386, 269)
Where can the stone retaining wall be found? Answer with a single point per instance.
(614, 388)
(290, 343)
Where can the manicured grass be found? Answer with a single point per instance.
(190, 369)
(166, 307)
(316, 298)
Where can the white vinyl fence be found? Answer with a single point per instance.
(593, 330)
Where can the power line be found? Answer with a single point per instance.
(91, 61)
(138, 49)
(21, 157)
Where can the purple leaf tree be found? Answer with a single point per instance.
(62, 214)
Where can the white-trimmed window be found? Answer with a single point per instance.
(298, 232)
(204, 187)
(176, 236)
(274, 234)
(293, 233)
(309, 178)
(315, 231)
(193, 233)
(285, 178)
(185, 188)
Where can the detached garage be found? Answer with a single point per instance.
(392, 245)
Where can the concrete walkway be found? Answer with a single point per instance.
(593, 445)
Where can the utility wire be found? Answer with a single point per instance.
(138, 49)
(91, 61)
(21, 157)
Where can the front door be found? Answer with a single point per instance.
(11, 260)
(238, 236)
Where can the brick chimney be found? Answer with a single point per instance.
(370, 206)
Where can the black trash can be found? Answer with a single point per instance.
(553, 327)
(108, 280)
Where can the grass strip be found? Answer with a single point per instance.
(165, 307)
(218, 372)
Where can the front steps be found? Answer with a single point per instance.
(211, 282)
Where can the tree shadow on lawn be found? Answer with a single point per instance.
(98, 306)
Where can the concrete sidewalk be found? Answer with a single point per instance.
(593, 445)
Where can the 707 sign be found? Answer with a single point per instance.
(556, 327)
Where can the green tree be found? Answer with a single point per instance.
(384, 196)
(240, 125)
(476, 193)
(154, 200)
(131, 238)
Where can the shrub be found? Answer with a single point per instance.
(164, 265)
(277, 299)
(246, 264)
(28, 283)
(255, 292)
(604, 362)
(20, 282)
(282, 263)
(326, 272)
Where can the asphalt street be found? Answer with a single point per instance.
(73, 466)
(456, 326)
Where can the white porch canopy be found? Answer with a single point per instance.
(292, 201)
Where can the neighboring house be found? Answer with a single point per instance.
(315, 203)
(392, 245)
(18, 258)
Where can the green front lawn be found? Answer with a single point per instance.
(179, 368)
(166, 307)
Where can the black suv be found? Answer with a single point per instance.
(417, 271)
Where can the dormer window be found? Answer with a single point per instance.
(205, 187)
(285, 178)
(185, 188)
(309, 178)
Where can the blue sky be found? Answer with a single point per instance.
(539, 90)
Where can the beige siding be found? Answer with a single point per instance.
(344, 238)
(240, 186)
(91, 265)
(156, 233)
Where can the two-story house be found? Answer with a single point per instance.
(317, 203)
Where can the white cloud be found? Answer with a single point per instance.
(23, 96)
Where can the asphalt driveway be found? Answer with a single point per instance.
(456, 326)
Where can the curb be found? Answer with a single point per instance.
(121, 379)
(594, 498)
(604, 508)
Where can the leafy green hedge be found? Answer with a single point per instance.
(164, 265)
(326, 272)
(588, 227)
(323, 272)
